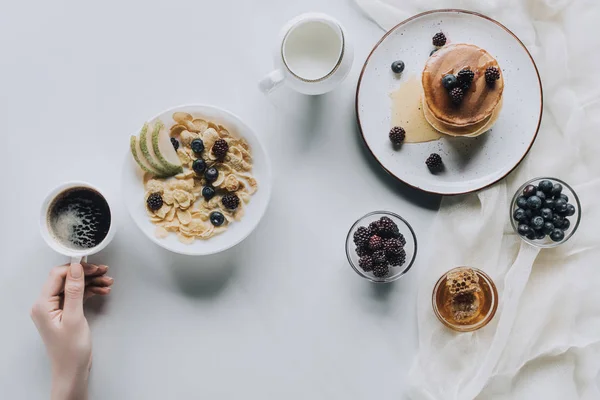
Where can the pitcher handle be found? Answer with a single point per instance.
(271, 81)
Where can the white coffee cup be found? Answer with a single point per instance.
(76, 255)
(312, 55)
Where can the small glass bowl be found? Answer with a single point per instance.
(410, 247)
(489, 296)
(546, 242)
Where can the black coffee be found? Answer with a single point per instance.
(79, 218)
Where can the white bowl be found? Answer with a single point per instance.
(133, 187)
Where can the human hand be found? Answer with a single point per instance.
(58, 316)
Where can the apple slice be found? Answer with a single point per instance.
(136, 152)
(148, 152)
(164, 150)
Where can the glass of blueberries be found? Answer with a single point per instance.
(409, 247)
(545, 212)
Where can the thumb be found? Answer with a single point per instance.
(74, 290)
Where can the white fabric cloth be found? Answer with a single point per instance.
(544, 342)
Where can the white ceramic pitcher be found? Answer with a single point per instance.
(312, 55)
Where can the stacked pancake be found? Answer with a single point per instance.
(482, 102)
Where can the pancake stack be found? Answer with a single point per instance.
(482, 102)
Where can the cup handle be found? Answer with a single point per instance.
(271, 81)
(78, 260)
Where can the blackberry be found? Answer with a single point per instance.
(492, 74)
(154, 201)
(361, 236)
(366, 263)
(456, 95)
(231, 201)
(397, 135)
(434, 162)
(439, 39)
(465, 78)
(374, 228)
(379, 257)
(375, 243)
(381, 271)
(175, 143)
(387, 228)
(220, 149)
(397, 260)
(197, 146)
(401, 239)
(362, 251)
(392, 246)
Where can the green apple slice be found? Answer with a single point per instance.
(164, 150)
(136, 152)
(148, 152)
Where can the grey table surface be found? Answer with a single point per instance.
(281, 315)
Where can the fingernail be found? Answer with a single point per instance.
(110, 280)
(76, 271)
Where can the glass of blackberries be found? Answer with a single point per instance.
(545, 212)
(381, 246)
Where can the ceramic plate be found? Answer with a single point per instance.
(471, 163)
(133, 188)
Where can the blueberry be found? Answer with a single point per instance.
(211, 174)
(557, 220)
(531, 235)
(557, 235)
(570, 210)
(523, 229)
(546, 213)
(556, 189)
(539, 235)
(398, 66)
(216, 218)
(175, 143)
(449, 81)
(564, 197)
(545, 186)
(549, 203)
(522, 201)
(548, 228)
(208, 192)
(537, 222)
(432, 51)
(560, 205)
(541, 195)
(529, 190)
(565, 225)
(199, 166)
(530, 213)
(197, 146)
(519, 214)
(534, 203)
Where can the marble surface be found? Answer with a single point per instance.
(282, 315)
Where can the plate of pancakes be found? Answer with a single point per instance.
(474, 98)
